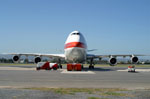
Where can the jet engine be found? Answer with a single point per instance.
(16, 58)
(134, 59)
(37, 59)
(113, 61)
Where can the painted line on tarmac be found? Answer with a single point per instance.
(138, 70)
(16, 68)
(77, 72)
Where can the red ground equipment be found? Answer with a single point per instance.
(74, 67)
(131, 68)
(47, 66)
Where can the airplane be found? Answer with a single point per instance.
(75, 51)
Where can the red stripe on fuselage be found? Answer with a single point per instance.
(75, 44)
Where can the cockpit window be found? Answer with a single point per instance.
(75, 33)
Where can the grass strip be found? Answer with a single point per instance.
(72, 91)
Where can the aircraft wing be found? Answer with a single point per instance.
(89, 56)
(37, 54)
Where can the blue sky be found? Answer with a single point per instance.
(42, 26)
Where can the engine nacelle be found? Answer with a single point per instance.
(16, 58)
(37, 59)
(134, 59)
(113, 61)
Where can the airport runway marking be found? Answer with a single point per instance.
(77, 72)
(139, 70)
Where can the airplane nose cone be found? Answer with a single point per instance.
(75, 32)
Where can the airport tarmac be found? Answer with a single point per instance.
(100, 77)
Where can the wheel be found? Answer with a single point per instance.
(133, 70)
(90, 67)
(54, 68)
(37, 68)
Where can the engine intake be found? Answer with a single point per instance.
(16, 58)
(37, 59)
(134, 59)
(113, 61)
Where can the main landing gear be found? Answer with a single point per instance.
(91, 66)
(59, 64)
